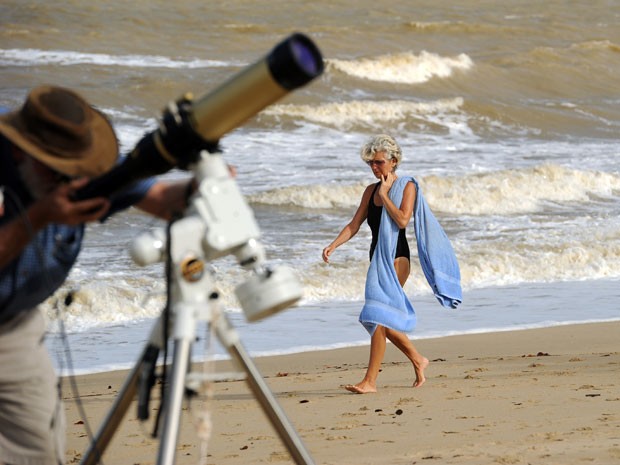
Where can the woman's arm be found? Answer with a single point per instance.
(401, 215)
(353, 227)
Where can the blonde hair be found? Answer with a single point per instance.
(382, 143)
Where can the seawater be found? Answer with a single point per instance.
(507, 114)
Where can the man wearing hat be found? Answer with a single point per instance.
(49, 148)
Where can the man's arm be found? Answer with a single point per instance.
(166, 198)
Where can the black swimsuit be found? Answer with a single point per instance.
(374, 220)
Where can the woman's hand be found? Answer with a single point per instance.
(386, 184)
(327, 251)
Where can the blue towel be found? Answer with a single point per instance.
(436, 255)
(386, 302)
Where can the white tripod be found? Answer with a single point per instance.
(219, 222)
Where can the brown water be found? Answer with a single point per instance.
(549, 66)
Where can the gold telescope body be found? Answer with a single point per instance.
(291, 64)
(228, 107)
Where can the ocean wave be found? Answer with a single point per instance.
(581, 58)
(542, 253)
(604, 45)
(460, 27)
(517, 191)
(534, 255)
(371, 113)
(317, 196)
(36, 57)
(503, 192)
(103, 300)
(509, 257)
(402, 68)
(493, 250)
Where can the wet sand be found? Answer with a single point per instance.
(535, 396)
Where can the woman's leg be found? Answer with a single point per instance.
(400, 340)
(402, 267)
(377, 351)
(404, 344)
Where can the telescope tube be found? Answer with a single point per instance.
(190, 126)
(291, 64)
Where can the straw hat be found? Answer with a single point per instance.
(61, 130)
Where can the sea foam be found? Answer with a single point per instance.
(402, 68)
(36, 57)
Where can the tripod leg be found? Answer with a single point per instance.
(118, 410)
(124, 398)
(229, 338)
(184, 334)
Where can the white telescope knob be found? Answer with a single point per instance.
(267, 293)
(149, 247)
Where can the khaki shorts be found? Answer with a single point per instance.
(32, 421)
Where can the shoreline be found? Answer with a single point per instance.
(334, 324)
(548, 394)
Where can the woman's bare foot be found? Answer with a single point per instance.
(419, 367)
(361, 388)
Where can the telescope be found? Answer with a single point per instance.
(188, 127)
(216, 222)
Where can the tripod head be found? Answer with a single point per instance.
(219, 222)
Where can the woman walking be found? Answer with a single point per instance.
(387, 206)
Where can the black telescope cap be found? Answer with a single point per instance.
(295, 61)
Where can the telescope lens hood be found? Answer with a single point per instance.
(295, 61)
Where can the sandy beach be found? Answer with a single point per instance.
(534, 396)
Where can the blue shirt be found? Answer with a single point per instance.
(46, 261)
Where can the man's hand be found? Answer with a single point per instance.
(58, 206)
